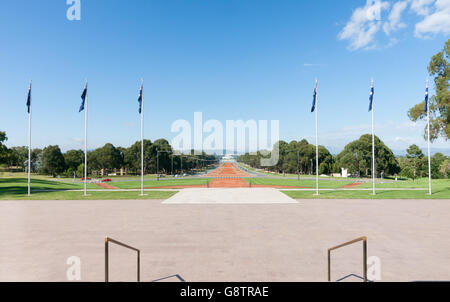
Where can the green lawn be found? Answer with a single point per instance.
(160, 183)
(438, 194)
(441, 190)
(418, 183)
(16, 189)
(65, 195)
(328, 184)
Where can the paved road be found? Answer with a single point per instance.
(227, 242)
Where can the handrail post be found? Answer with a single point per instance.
(365, 259)
(106, 259)
(139, 266)
(107, 240)
(329, 266)
(364, 240)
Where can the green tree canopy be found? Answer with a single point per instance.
(53, 161)
(3, 149)
(106, 157)
(439, 68)
(73, 159)
(357, 157)
(18, 157)
(294, 156)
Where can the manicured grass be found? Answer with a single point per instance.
(438, 193)
(418, 183)
(107, 195)
(13, 186)
(16, 189)
(328, 184)
(160, 183)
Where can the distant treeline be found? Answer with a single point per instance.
(159, 157)
(300, 156)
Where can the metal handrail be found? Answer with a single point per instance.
(364, 240)
(107, 241)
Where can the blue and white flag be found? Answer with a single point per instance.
(140, 98)
(314, 99)
(83, 97)
(426, 99)
(29, 99)
(372, 92)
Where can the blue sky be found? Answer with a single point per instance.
(230, 59)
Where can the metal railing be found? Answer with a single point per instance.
(107, 241)
(364, 240)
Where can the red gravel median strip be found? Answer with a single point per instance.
(353, 185)
(106, 186)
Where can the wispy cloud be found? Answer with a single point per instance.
(394, 20)
(436, 22)
(421, 7)
(312, 65)
(363, 26)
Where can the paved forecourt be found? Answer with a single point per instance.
(224, 242)
(230, 196)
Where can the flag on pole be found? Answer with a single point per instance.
(29, 138)
(372, 92)
(314, 98)
(83, 97)
(29, 99)
(140, 98)
(427, 110)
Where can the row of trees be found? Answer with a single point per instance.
(356, 157)
(158, 158)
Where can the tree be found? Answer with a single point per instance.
(132, 156)
(106, 157)
(445, 168)
(436, 163)
(73, 159)
(18, 157)
(415, 159)
(53, 161)
(357, 157)
(439, 68)
(294, 156)
(36, 160)
(3, 150)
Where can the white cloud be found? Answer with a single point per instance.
(364, 24)
(362, 27)
(421, 7)
(394, 20)
(436, 22)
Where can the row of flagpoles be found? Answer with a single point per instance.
(315, 107)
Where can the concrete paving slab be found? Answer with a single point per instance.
(225, 242)
(230, 196)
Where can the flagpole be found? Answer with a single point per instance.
(429, 152)
(142, 138)
(373, 147)
(317, 142)
(29, 146)
(85, 142)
